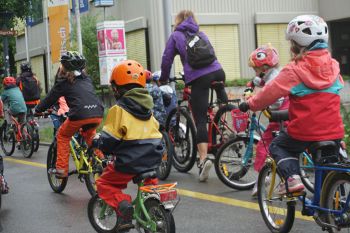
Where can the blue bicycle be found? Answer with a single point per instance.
(234, 161)
(330, 205)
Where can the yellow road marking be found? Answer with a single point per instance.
(188, 193)
(34, 164)
(233, 202)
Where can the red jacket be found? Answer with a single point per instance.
(313, 84)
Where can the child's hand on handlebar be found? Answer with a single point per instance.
(248, 93)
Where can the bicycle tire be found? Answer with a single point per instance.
(328, 200)
(306, 172)
(27, 140)
(93, 215)
(164, 168)
(36, 138)
(4, 130)
(231, 176)
(57, 185)
(162, 215)
(90, 179)
(222, 120)
(278, 225)
(182, 162)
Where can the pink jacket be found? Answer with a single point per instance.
(313, 86)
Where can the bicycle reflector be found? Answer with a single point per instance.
(240, 120)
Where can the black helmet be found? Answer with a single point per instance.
(25, 66)
(72, 60)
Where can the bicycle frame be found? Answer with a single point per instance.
(311, 206)
(75, 149)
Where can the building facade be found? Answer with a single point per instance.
(235, 28)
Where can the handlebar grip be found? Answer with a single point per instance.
(279, 115)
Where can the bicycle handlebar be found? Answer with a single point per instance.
(43, 114)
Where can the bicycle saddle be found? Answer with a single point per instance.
(325, 152)
(217, 85)
(148, 174)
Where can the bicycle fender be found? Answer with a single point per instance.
(244, 135)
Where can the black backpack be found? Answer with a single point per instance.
(29, 86)
(200, 53)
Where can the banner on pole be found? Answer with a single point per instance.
(59, 28)
(104, 3)
(111, 47)
(83, 6)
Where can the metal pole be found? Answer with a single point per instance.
(6, 53)
(167, 29)
(77, 15)
(26, 42)
(48, 55)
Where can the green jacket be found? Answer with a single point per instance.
(13, 99)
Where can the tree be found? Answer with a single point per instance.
(90, 51)
(9, 11)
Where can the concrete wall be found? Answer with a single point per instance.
(335, 9)
(249, 12)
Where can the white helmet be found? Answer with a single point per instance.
(305, 29)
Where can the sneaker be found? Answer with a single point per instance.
(59, 173)
(3, 185)
(125, 212)
(294, 185)
(255, 190)
(204, 169)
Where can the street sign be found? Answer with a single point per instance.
(8, 33)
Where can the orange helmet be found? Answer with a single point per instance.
(9, 81)
(128, 72)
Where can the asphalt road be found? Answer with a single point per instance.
(211, 207)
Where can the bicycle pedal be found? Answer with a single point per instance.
(72, 172)
(296, 194)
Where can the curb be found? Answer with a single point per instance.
(44, 143)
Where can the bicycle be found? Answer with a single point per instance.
(182, 131)
(164, 168)
(88, 165)
(12, 132)
(330, 205)
(236, 157)
(153, 208)
(35, 128)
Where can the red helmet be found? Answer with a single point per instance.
(264, 55)
(9, 81)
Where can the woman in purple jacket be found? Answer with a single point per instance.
(200, 80)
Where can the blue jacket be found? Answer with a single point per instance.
(177, 45)
(13, 99)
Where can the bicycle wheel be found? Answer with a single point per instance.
(307, 171)
(231, 166)
(182, 134)
(57, 185)
(27, 140)
(164, 218)
(278, 212)
(335, 192)
(164, 168)
(7, 139)
(102, 217)
(90, 179)
(224, 125)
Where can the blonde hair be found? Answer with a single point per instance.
(182, 15)
(297, 51)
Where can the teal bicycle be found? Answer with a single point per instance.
(153, 207)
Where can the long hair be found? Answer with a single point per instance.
(297, 51)
(182, 15)
(69, 75)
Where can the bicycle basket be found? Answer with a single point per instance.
(240, 120)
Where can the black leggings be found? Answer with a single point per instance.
(199, 101)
